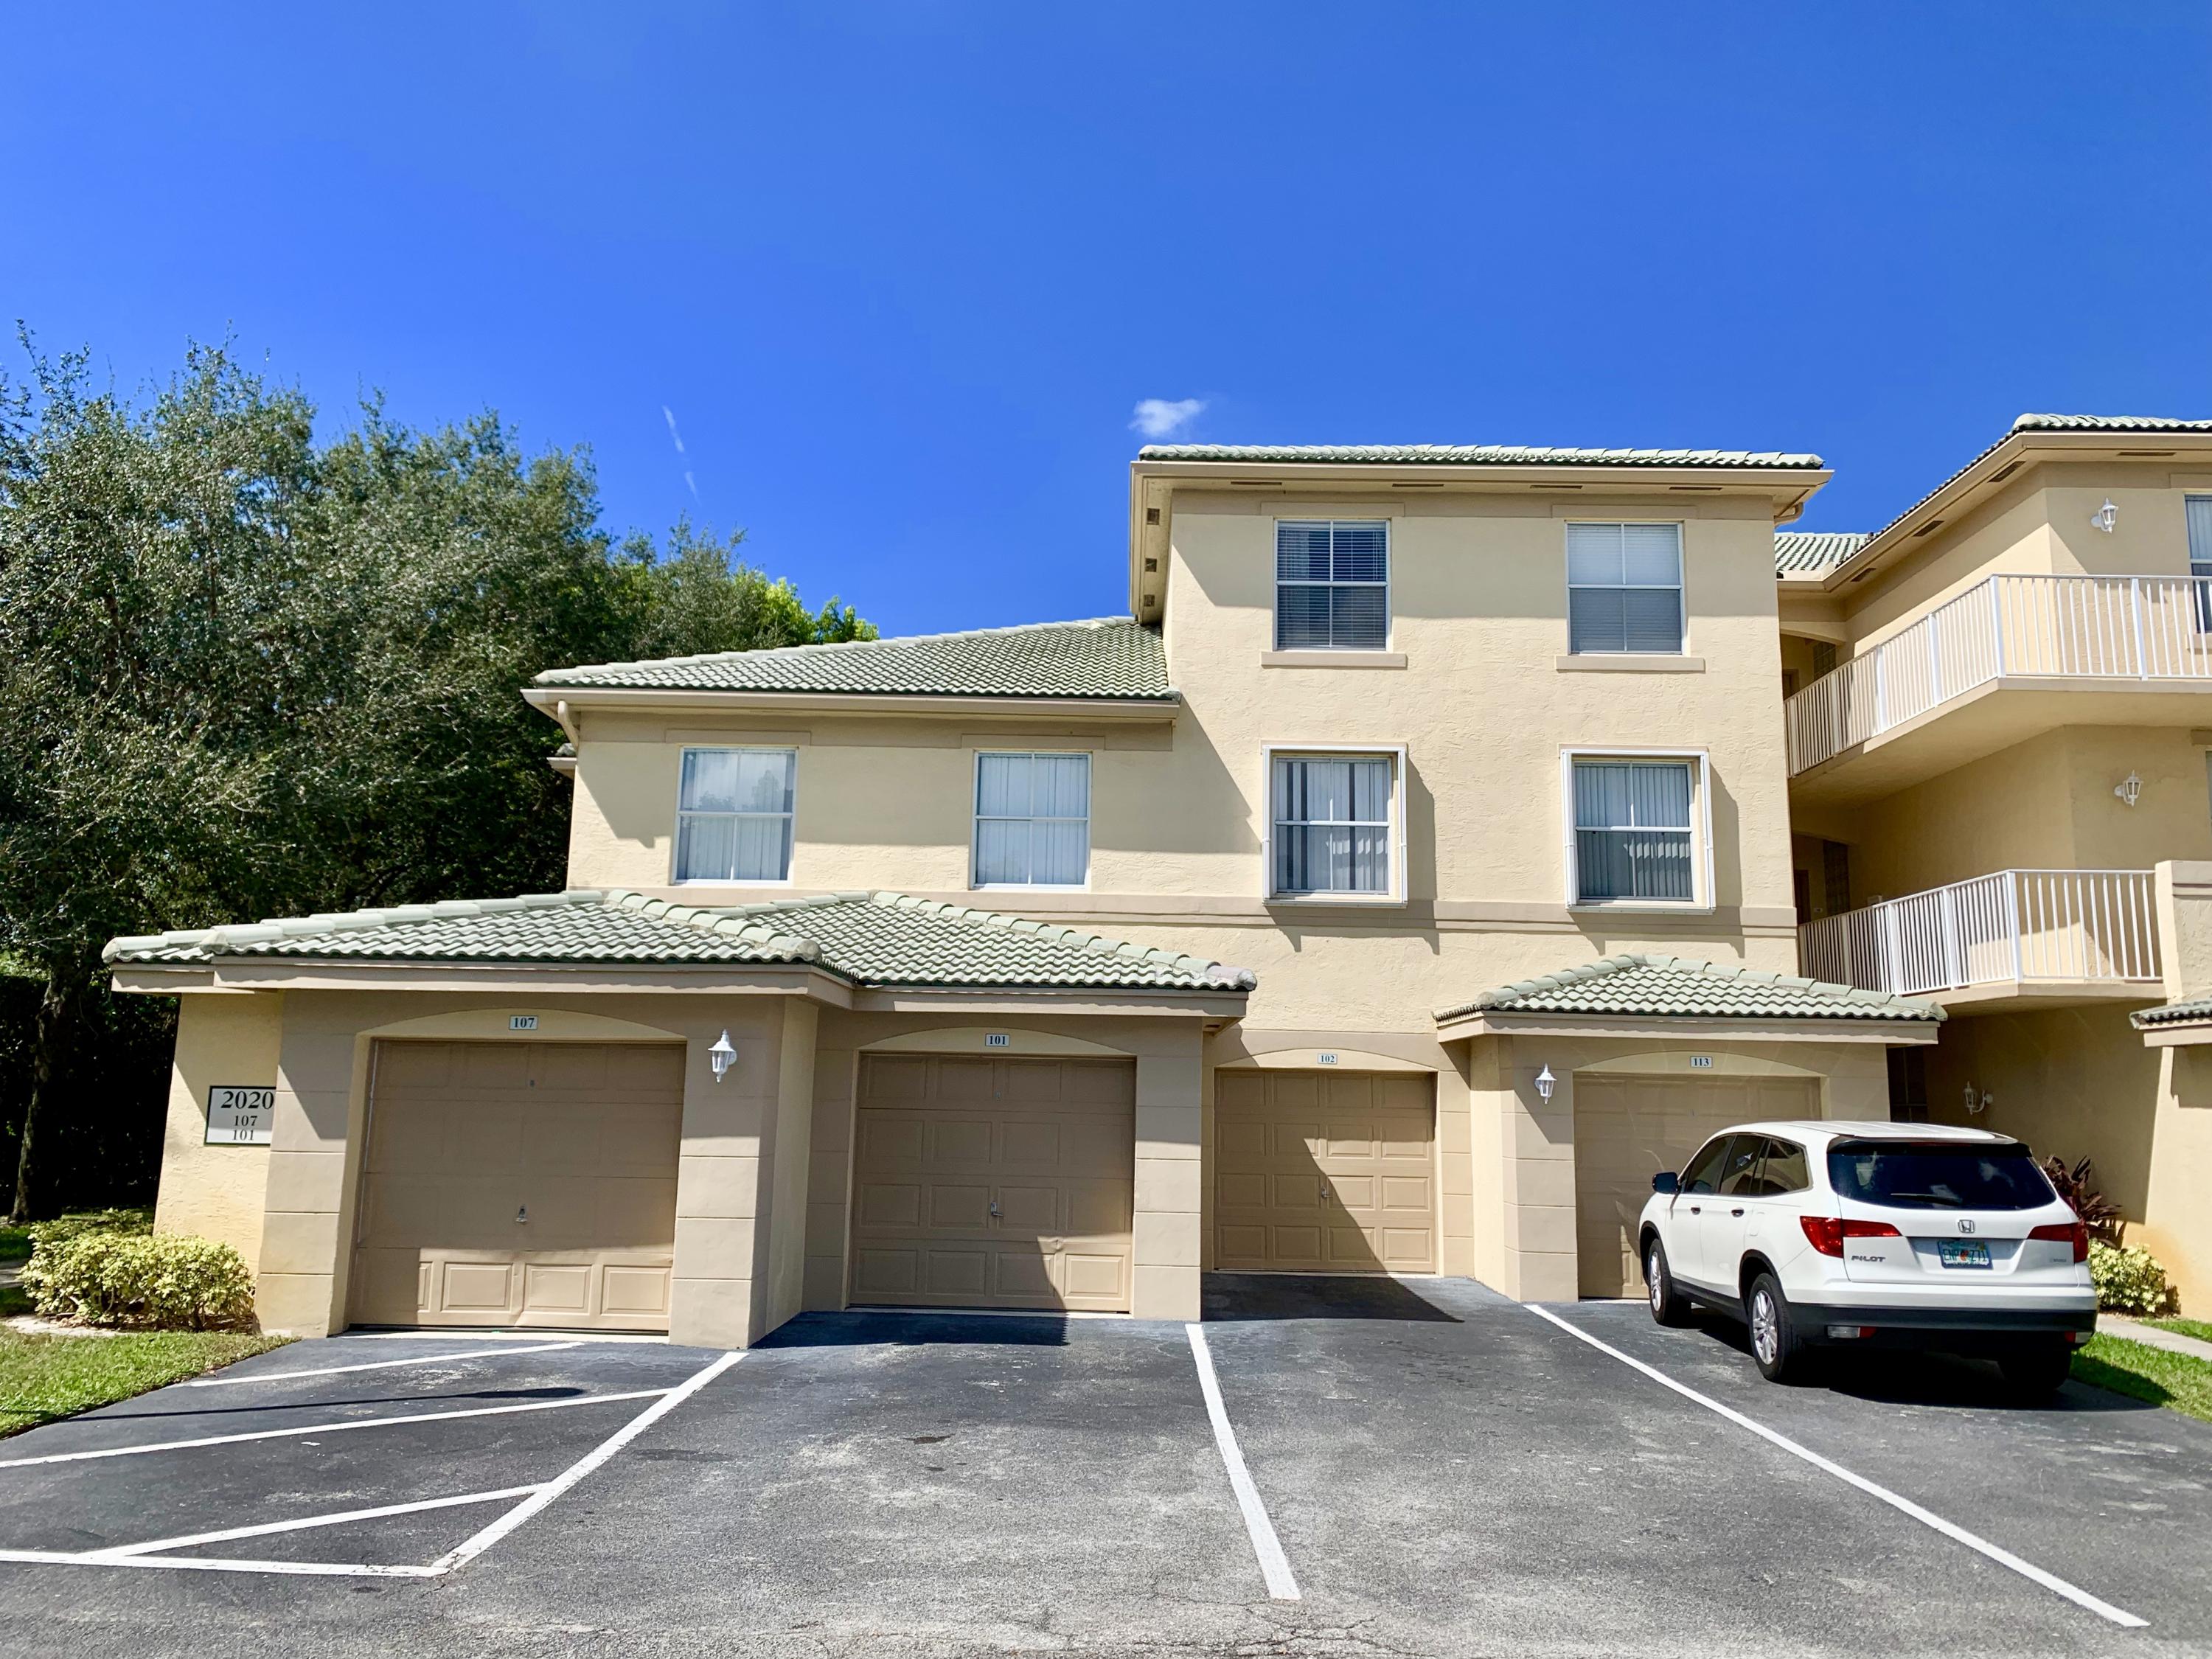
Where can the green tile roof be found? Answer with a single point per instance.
(1815, 549)
(2190, 1012)
(1661, 985)
(1468, 455)
(884, 939)
(1107, 657)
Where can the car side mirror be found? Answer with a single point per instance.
(1667, 1182)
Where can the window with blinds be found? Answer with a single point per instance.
(2198, 509)
(733, 815)
(1625, 588)
(1633, 834)
(1032, 820)
(1332, 586)
(1331, 830)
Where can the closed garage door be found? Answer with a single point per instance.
(1324, 1172)
(1629, 1128)
(520, 1183)
(994, 1183)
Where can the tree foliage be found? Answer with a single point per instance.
(247, 672)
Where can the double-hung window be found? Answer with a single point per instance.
(1032, 820)
(2198, 508)
(1332, 585)
(733, 815)
(1625, 588)
(1333, 824)
(1634, 838)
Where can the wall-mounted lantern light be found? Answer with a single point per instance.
(1545, 1084)
(722, 1055)
(2129, 789)
(1978, 1101)
(2106, 516)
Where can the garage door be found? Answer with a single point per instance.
(1324, 1172)
(994, 1183)
(520, 1183)
(1629, 1128)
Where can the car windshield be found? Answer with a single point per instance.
(1922, 1175)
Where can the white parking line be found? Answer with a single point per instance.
(2004, 1558)
(344, 1517)
(376, 1365)
(327, 1428)
(1274, 1565)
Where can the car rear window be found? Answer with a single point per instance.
(1923, 1174)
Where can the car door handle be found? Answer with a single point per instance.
(1696, 1209)
(1736, 1211)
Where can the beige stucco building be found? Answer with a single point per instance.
(1413, 872)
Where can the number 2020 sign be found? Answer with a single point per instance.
(239, 1116)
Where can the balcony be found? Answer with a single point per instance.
(1925, 699)
(2016, 938)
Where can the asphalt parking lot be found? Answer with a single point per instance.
(1432, 1470)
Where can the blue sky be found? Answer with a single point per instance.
(901, 273)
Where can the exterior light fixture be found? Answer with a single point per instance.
(2106, 516)
(1545, 1084)
(1978, 1101)
(722, 1055)
(2129, 789)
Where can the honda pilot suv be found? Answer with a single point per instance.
(1830, 1234)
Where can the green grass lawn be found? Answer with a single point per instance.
(2133, 1368)
(2196, 1328)
(45, 1378)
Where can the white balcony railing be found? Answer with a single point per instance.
(2110, 628)
(2016, 924)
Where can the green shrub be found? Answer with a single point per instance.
(90, 1221)
(166, 1282)
(2129, 1278)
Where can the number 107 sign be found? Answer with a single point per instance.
(238, 1116)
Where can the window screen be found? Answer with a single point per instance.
(733, 816)
(1633, 836)
(1331, 587)
(1624, 587)
(1032, 820)
(1332, 824)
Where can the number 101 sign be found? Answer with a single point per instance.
(239, 1117)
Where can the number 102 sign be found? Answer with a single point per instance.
(239, 1116)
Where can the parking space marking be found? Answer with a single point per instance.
(344, 1517)
(375, 1365)
(2004, 1558)
(327, 1428)
(534, 1496)
(1274, 1565)
(670, 1400)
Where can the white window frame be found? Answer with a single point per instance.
(675, 879)
(1396, 754)
(1275, 583)
(975, 824)
(1701, 822)
(1681, 586)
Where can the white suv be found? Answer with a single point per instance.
(1901, 1235)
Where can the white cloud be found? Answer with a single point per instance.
(1157, 418)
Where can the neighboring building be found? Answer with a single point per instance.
(1999, 723)
(1470, 760)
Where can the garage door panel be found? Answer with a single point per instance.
(1051, 1143)
(1628, 1129)
(1313, 1174)
(467, 1140)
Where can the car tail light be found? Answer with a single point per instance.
(2075, 1233)
(1826, 1233)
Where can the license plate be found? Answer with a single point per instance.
(1962, 1252)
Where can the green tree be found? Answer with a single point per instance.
(243, 673)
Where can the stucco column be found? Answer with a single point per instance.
(829, 1166)
(1169, 1172)
(720, 1200)
(1539, 1167)
(314, 1154)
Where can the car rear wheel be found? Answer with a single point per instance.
(1774, 1345)
(2036, 1373)
(1668, 1305)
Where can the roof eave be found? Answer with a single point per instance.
(1978, 476)
(1497, 1022)
(552, 699)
